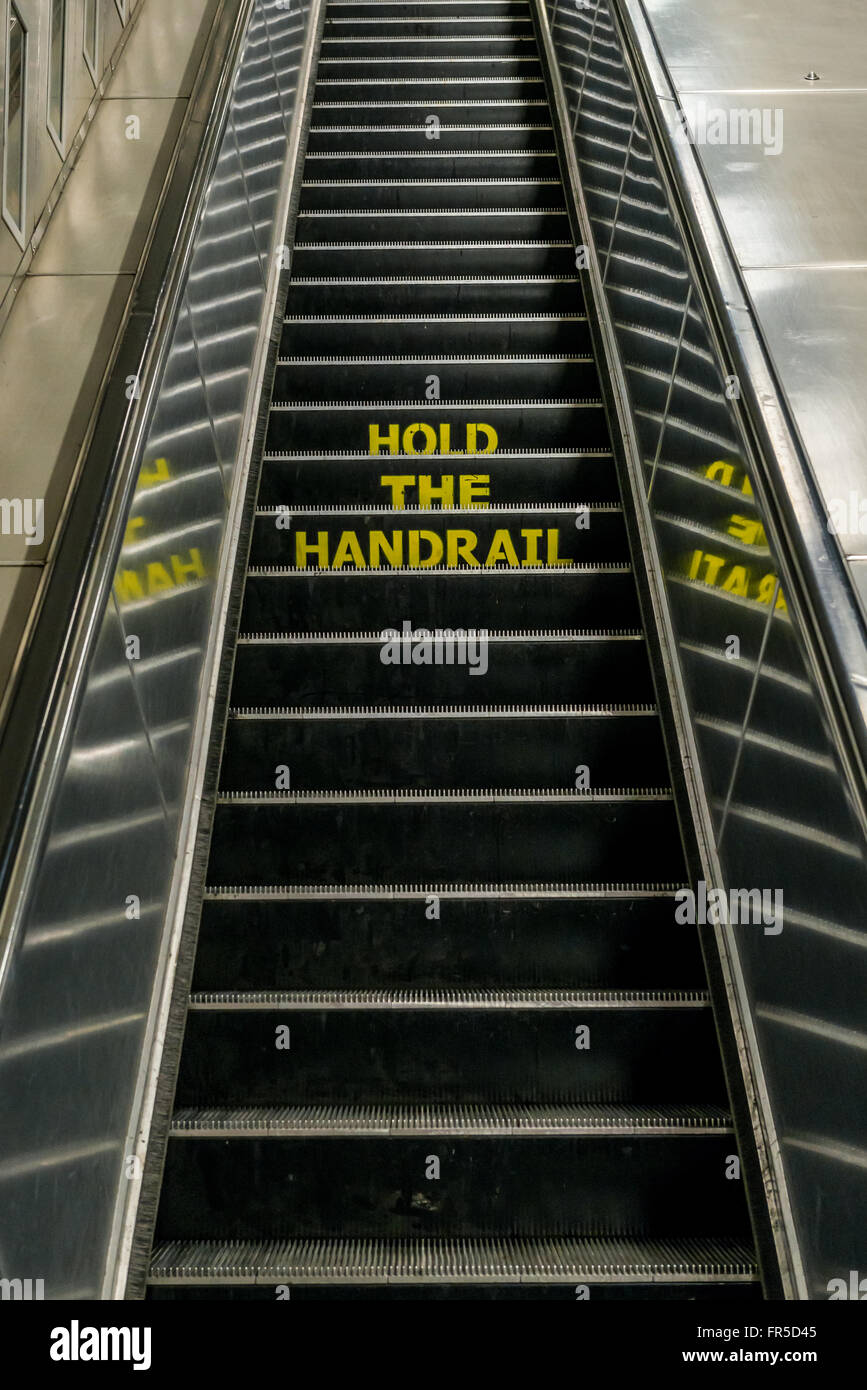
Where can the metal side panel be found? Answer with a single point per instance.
(89, 934)
(758, 638)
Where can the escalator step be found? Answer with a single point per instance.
(557, 936)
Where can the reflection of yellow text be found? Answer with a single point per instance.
(742, 580)
(133, 527)
(157, 471)
(730, 475)
(422, 549)
(157, 577)
(747, 529)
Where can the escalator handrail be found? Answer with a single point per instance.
(53, 664)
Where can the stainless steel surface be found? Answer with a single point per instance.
(768, 725)
(162, 55)
(106, 177)
(808, 203)
(87, 943)
(815, 323)
(747, 46)
(47, 392)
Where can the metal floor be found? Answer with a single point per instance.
(445, 1039)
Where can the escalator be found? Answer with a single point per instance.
(445, 1038)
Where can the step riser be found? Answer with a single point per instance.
(349, 9)
(452, 335)
(397, 32)
(531, 537)
(243, 1188)
(498, 190)
(397, 44)
(392, 943)
(408, 380)
(380, 1056)
(444, 753)
(518, 427)
(452, 842)
(423, 259)
(302, 481)
(434, 224)
(471, 600)
(358, 89)
(418, 67)
(333, 674)
(402, 107)
(433, 164)
(435, 296)
(456, 129)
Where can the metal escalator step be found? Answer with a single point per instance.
(493, 191)
(459, 130)
(624, 936)
(580, 936)
(440, 294)
(281, 599)
(432, 45)
(502, 1170)
(408, 377)
(365, 838)
(525, 537)
(473, 428)
(481, 1046)
(469, 748)
(354, 478)
(382, 166)
(442, 257)
(328, 670)
(438, 332)
(368, 90)
(482, 110)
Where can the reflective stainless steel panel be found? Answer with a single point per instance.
(815, 324)
(744, 45)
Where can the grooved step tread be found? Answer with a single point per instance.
(428, 999)
(252, 712)
(539, 1261)
(414, 891)
(482, 1121)
(400, 797)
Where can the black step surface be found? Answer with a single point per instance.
(446, 1038)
